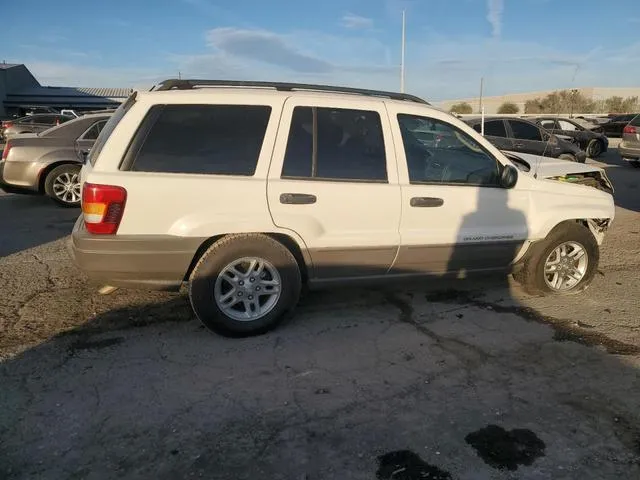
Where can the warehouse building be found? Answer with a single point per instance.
(21, 92)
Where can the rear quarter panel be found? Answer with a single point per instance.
(189, 205)
(28, 157)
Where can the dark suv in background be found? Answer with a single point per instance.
(518, 135)
(590, 141)
(615, 126)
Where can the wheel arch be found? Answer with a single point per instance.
(44, 173)
(290, 243)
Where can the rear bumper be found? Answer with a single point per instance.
(150, 262)
(627, 151)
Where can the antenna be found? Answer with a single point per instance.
(402, 52)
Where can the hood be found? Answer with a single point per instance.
(561, 170)
(549, 167)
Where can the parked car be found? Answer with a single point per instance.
(32, 124)
(245, 194)
(629, 148)
(615, 125)
(49, 163)
(519, 135)
(588, 139)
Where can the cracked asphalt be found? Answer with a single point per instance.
(471, 380)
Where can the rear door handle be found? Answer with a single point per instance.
(297, 198)
(518, 145)
(426, 202)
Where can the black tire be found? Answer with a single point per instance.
(595, 148)
(567, 156)
(635, 163)
(70, 171)
(202, 283)
(532, 276)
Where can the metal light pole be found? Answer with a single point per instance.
(402, 55)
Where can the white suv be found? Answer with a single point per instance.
(246, 191)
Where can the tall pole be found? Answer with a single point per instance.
(481, 92)
(402, 61)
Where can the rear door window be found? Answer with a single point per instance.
(548, 124)
(525, 131)
(335, 144)
(204, 139)
(495, 128)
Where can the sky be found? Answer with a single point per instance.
(516, 45)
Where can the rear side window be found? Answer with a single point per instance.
(525, 131)
(494, 128)
(94, 131)
(335, 144)
(636, 121)
(205, 139)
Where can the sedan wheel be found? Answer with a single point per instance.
(63, 185)
(595, 148)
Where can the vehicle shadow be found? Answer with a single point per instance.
(458, 380)
(29, 220)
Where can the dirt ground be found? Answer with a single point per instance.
(462, 381)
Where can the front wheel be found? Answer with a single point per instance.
(63, 185)
(244, 285)
(563, 263)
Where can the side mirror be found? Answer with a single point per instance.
(509, 176)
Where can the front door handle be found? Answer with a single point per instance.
(297, 198)
(518, 145)
(426, 202)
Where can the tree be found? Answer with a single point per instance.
(620, 105)
(508, 108)
(461, 108)
(563, 101)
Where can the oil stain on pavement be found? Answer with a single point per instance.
(504, 449)
(406, 465)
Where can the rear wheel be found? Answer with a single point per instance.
(635, 163)
(564, 263)
(567, 156)
(244, 285)
(595, 148)
(63, 185)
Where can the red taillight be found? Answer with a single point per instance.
(102, 207)
(629, 129)
(5, 152)
(7, 124)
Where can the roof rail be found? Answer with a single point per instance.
(180, 84)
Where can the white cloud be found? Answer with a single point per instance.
(438, 67)
(351, 20)
(494, 15)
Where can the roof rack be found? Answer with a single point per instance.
(180, 84)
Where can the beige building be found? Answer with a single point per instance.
(491, 104)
